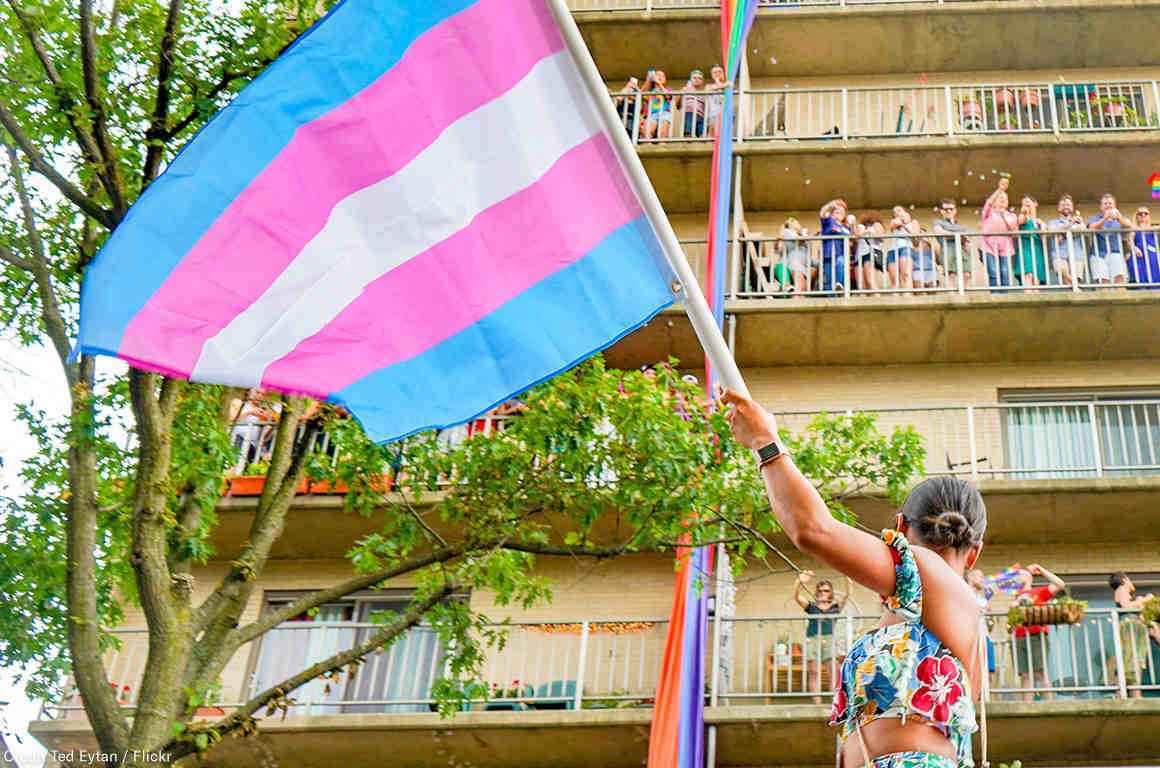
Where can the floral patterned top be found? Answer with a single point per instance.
(902, 670)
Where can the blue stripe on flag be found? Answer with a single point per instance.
(557, 323)
(360, 39)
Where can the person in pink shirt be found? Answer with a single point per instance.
(998, 246)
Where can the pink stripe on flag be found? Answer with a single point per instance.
(491, 46)
(507, 249)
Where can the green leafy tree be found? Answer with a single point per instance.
(121, 499)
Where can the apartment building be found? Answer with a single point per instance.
(1047, 396)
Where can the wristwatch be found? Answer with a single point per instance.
(769, 453)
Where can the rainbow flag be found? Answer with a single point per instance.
(1154, 183)
(677, 737)
(415, 212)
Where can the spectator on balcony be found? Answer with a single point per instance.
(925, 261)
(1144, 267)
(797, 255)
(900, 249)
(955, 248)
(1031, 266)
(820, 647)
(717, 84)
(1107, 256)
(983, 594)
(998, 246)
(869, 260)
(1133, 634)
(1068, 254)
(626, 103)
(658, 106)
(693, 105)
(837, 223)
(1030, 639)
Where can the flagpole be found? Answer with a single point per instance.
(695, 305)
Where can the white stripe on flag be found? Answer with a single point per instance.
(478, 161)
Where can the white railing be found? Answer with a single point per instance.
(765, 267)
(665, 116)
(1025, 440)
(616, 662)
(950, 110)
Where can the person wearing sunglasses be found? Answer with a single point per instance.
(820, 647)
(955, 248)
(1144, 266)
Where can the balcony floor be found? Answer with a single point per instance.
(1069, 732)
(881, 172)
(975, 327)
(865, 39)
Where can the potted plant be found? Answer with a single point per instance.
(251, 481)
(1150, 613)
(1029, 97)
(1063, 610)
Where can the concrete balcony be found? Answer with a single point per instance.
(874, 36)
(975, 326)
(1043, 733)
(882, 145)
(586, 690)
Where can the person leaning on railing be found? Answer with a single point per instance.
(1144, 266)
(1068, 254)
(1108, 249)
(820, 647)
(1030, 664)
(1133, 634)
(835, 223)
(955, 244)
(905, 690)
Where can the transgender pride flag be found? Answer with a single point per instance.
(415, 212)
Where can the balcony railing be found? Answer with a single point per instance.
(1058, 260)
(616, 662)
(967, 109)
(1026, 440)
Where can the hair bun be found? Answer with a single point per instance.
(946, 530)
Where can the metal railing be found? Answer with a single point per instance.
(949, 110)
(669, 115)
(1049, 259)
(616, 662)
(1025, 440)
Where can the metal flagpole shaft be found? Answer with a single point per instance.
(695, 305)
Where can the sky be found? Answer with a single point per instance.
(32, 376)
(26, 376)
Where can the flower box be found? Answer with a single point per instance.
(247, 485)
(1059, 612)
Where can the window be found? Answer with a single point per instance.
(1083, 434)
(398, 679)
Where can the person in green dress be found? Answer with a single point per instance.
(1031, 259)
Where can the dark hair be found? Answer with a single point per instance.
(947, 201)
(824, 583)
(1065, 196)
(1117, 579)
(946, 513)
(870, 217)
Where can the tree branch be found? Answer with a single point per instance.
(243, 715)
(157, 125)
(116, 184)
(227, 79)
(42, 166)
(322, 596)
(50, 314)
(6, 255)
(64, 100)
(108, 721)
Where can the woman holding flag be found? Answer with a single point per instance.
(905, 693)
